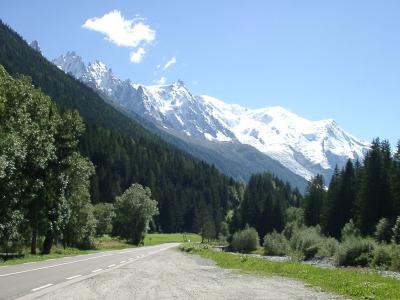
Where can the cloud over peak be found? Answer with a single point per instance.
(120, 31)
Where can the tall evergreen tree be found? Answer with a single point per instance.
(313, 201)
(374, 197)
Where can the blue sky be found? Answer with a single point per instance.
(319, 59)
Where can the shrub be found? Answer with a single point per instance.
(350, 230)
(294, 221)
(328, 247)
(245, 240)
(382, 232)
(275, 244)
(295, 215)
(396, 232)
(355, 251)
(395, 258)
(382, 256)
(306, 241)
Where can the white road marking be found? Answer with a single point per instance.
(31, 262)
(80, 260)
(121, 262)
(41, 287)
(97, 270)
(53, 266)
(110, 266)
(123, 252)
(72, 277)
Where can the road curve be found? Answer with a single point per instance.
(31, 279)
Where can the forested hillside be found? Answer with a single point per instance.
(122, 151)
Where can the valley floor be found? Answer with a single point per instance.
(172, 274)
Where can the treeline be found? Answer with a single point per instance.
(264, 203)
(353, 222)
(364, 192)
(123, 152)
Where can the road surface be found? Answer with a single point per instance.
(157, 272)
(28, 278)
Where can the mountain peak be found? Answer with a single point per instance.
(179, 83)
(303, 146)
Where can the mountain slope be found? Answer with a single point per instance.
(121, 149)
(297, 145)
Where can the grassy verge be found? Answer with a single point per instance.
(57, 252)
(105, 242)
(161, 238)
(353, 283)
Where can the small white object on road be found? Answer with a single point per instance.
(41, 287)
(97, 270)
(72, 277)
(110, 266)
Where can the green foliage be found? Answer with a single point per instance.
(122, 150)
(340, 200)
(133, 211)
(382, 231)
(314, 200)
(350, 230)
(245, 240)
(294, 221)
(382, 256)
(86, 230)
(275, 244)
(39, 166)
(104, 214)
(396, 232)
(375, 199)
(328, 247)
(355, 251)
(305, 242)
(265, 201)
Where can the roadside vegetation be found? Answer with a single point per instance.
(354, 283)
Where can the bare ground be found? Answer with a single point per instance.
(174, 275)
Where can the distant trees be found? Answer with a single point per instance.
(133, 212)
(264, 203)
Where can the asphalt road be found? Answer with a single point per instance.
(32, 278)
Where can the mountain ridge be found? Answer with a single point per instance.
(305, 147)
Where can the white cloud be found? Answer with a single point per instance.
(162, 81)
(120, 31)
(169, 63)
(137, 56)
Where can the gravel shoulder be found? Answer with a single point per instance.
(172, 274)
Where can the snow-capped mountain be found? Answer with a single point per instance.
(305, 147)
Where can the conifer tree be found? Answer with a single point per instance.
(313, 201)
